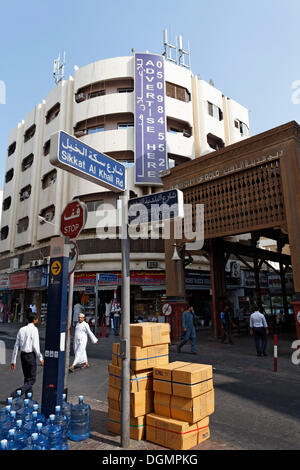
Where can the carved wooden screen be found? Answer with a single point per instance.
(241, 202)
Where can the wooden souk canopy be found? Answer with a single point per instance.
(251, 186)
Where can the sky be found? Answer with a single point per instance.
(250, 49)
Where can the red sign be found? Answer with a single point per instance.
(18, 280)
(73, 219)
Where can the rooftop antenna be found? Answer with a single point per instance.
(183, 54)
(59, 68)
(169, 48)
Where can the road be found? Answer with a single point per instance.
(255, 407)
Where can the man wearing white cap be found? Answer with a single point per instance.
(82, 332)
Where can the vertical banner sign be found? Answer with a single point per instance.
(150, 119)
(53, 378)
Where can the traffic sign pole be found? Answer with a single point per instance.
(68, 339)
(125, 341)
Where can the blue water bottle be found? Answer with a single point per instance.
(20, 435)
(66, 408)
(3, 444)
(31, 401)
(62, 421)
(18, 402)
(34, 442)
(9, 424)
(53, 432)
(30, 426)
(25, 413)
(40, 417)
(43, 441)
(11, 443)
(5, 414)
(80, 421)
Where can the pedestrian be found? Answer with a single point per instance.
(29, 344)
(189, 329)
(259, 329)
(227, 324)
(82, 333)
(78, 308)
(33, 307)
(16, 311)
(117, 319)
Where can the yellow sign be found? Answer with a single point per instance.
(56, 268)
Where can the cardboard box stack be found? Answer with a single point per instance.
(183, 402)
(149, 347)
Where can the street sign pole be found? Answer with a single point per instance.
(125, 341)
(69, 324)
(96, 305)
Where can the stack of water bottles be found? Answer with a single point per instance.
(24, 427)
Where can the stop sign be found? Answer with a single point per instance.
(73, 219)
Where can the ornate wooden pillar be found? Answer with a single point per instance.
(175, 286)
(218, 283)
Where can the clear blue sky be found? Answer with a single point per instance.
(251, 49)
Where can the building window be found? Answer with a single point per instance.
(177, 92)
(243, 128)
(53, 113)
(22, 225)
(47, 214)
(6, 203)
(95, 94)
(11, 148)
(4, 232)
(215, 142)
(125, 125)
(174, 126)
(46, 148)
(27, 162)
(49, 179)
(125, 90)
(29, 133)
(25, 193)
(94, 130)
(92, 206)
(9, 175)
(215, 111)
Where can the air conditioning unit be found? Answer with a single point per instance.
(152, 264)
(235, 269)
(36, 262)
(46, 260)
(79, 97)
(14, 264)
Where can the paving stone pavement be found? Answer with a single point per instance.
(102, 439)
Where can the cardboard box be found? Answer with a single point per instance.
(143, 358)
(137, 425)
(139, 381)
(183, 379)
(174, 434)
(191, 410)
(141, 403)
(149, 334)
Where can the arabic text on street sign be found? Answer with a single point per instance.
(73, 219)
(73, 155)
(156, 207)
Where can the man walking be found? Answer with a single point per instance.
(82, 333)
(117, 319)
(259, 328)
(189, 329)
(227, 324)
(29, 344)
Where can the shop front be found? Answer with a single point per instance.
(37, 290)
(4, 290)
(16, 297)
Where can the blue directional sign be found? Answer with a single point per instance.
(75, 156)
(156, 207)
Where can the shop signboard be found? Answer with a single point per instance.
(4, 281)
(248, 279)
(18, 280)
(85, 279)
(274, 283)
(38, 277)
(150, 119)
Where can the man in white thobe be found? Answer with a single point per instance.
(82, 333)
